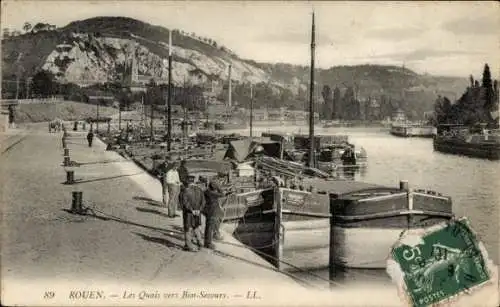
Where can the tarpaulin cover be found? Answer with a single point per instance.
(243, 149)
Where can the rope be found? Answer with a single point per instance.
(92, 210)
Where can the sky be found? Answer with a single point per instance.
(439, 38)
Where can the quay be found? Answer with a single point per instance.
(128, 239)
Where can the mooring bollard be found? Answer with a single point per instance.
(76, 204)
(403, 185)
(70, 176)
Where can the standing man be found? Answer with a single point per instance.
(349, 156)
(90, 137)
(193, 201)
(183, 173)
(213, 212)
(162, 171)
(173, 185)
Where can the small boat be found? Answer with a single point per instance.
(331, 152)
(480, 143)
(332, 123)
(408, 129)
(332, 157)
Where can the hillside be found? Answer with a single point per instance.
(98, 50)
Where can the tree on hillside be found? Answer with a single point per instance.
(125, 99)
(349, 104)
(43, 84)
(337, 103)
(488, 93)
(327, 94)
(153, 94)
(27, 27)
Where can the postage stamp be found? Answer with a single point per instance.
(438, 265)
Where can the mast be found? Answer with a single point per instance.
(251, 110)
(311, 99)
(230, 89)
(169, 98)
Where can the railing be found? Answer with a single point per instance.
(30, 101)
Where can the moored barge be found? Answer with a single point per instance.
(455, 139)
(406, 129)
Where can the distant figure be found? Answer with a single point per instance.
(90, 138)
(349, 156)
(162, 171)
(193, 201)
(213, 212)
(173, 184)
(183, 173)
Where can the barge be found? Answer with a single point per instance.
(367, 220)
(459, 140)
(330, 150)
(406, 129)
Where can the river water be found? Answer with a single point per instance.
(472, 183)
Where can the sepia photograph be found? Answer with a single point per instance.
(249, 153)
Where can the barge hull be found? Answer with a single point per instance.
(485, 151)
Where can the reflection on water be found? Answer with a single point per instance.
(472, 183)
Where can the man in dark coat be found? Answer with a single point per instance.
(193, 201)
(213, 212)
(183, 173)
(90, 137)
(349, 156)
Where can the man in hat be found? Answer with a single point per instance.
(162, 170)
(349, 156)
(218, 187)
(193, 201)
(183, 173)
(173, 184)
(213, 212)
(90, 137)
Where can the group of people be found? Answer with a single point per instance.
(181, 193)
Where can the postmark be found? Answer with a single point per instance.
(440, 264)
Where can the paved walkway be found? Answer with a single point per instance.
(130, 238)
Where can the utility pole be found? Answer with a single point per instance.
(169, 98)
(97, 120)
(230, 88)
(143, 112)
(311, 98)
(119, 115)
(151, 119)
(18, 75)
(28, 84)
(251, 110)
(17, 86)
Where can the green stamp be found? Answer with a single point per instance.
(439, 263)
